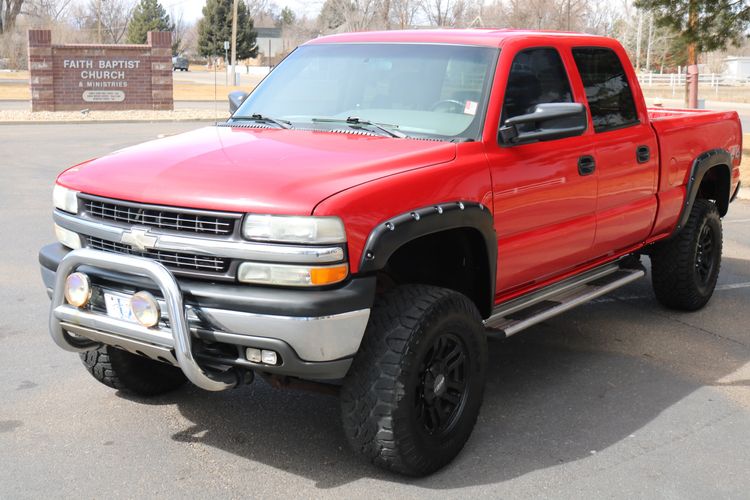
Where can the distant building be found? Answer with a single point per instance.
(737, 68)
(270, 43)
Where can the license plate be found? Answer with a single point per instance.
(118, 306)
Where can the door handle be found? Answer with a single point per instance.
(586, 165)
(642, 154)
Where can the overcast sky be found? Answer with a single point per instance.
(192, 8)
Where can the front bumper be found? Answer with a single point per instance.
(207, 326)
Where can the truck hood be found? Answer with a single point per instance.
(250, 170)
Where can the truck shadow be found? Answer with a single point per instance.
(573, 386)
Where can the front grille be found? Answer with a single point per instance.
(173, 260)
(159, 217)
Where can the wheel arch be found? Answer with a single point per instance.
(454, 241)
(710, 178)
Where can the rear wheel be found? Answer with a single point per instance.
(131, 373)
(413, 394)
(685, 269)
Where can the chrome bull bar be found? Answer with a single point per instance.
(176, 338)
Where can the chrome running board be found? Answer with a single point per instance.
(518, 314)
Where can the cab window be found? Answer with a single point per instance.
(607, 89)
(536, 76)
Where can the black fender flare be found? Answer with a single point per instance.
(392, 234)
(701, 165)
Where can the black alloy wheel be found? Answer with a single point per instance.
(441, 395)
(704, 255)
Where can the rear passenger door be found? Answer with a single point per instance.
(626, 150)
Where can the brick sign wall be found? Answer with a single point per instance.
(110, 77)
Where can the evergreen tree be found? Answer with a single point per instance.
(216, 27)
(287, 17)
(148, 15)
(707, 25)
(701, 25)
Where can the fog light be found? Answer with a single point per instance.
(77, 289)
(269, 357)
(253, 355)
(145, 309)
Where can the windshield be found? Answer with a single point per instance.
(414, 89)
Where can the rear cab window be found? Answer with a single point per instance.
(607, 89)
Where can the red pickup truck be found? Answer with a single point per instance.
(373, 210)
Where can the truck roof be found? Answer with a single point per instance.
(488, 37)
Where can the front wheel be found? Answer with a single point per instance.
(684, 269)
(412, 396)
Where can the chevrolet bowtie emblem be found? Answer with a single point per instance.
(139, 239)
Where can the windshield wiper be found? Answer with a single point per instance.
(353, 120)
(265, 119)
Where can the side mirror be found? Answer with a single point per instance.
(554, 120)
(236, 98)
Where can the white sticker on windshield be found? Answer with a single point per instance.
(470, 108)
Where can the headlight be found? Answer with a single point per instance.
(293, 229)
(285, 275)
(65, 199)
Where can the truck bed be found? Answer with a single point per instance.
(683, 135)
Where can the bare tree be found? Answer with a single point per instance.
(523, 14)
(363, 15)
(449, 13)
(403, 13)
(353, 15)
(114, 18)
(588, 16)
(332, 15)
(179, 34)
(258, 9)
(189, 43)
(297, 33)
(48, 11)
(602, 18)
(111, 18)
(9, 12)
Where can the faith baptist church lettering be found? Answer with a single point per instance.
(70, 77)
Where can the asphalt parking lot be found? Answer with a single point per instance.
(618, 398)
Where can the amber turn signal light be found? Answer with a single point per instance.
(328, 275)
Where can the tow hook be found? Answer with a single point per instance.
(244, 377)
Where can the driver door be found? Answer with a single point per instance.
(544, 192)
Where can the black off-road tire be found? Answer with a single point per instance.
(684, 270)
(131, 373)
(392, 398)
